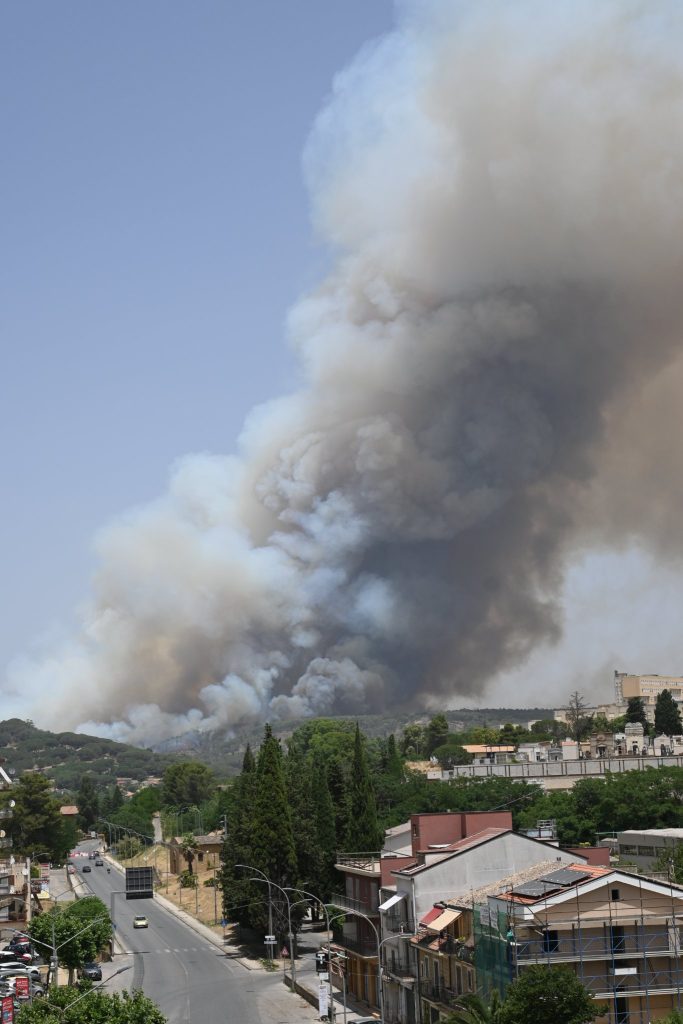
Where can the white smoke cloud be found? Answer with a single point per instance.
(501, 186)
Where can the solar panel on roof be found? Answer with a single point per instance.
(565, 876)
(535, 888)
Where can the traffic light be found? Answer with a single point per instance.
(322, 961)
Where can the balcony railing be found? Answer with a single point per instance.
(559, 947)
(360, 861)
(438, 993)
(344, 902)
(361, 946)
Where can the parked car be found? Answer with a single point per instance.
(8, 987)
(15, 956)
(140, 921)
(86, 868)
(9, 956)
(71, 870)
(12, 970)
(91, 971)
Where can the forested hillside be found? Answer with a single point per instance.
(66, 756)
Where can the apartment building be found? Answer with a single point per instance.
(370, 893)
(620, 933)
(648, 687)
(426, 916)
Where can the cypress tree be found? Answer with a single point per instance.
(273, 849)
(394, 765)
(300, 796)
(238, 892)
(667, 715)
(363, 832)
(325, 831)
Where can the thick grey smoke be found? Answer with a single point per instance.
(502, 187)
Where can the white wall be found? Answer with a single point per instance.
(479, 866)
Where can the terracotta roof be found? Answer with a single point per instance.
(68, 809)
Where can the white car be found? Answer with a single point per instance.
(14, 970)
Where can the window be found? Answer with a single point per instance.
(628, 850)
(614, 895)
(646, 851)
(551, 941)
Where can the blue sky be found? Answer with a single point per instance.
(155, 230)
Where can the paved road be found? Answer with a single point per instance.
(191, 980)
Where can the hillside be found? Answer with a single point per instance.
(66, 756)
(224, 753)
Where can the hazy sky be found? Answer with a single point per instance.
(155, 230)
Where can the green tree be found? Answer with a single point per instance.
(128, 847)
(237, 891)
(363, 831)
(300, 797)
(394, 762)
(93, 1007)
(667, 715)
(451, 753)
(88, 803)
(436, 733)
(187, 784)
(79, 931)
(472, 1009)
(189, 849)
(36, 823)
(412, 741)
(325, 875)
(635, 711)
(549, 995)
(272, 841)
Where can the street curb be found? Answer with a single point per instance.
(192, 923)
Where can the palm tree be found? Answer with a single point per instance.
(189, 849)
(472, 1009)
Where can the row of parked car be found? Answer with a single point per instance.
(18, 960)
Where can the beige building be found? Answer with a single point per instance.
(619, 932)
(649, 688)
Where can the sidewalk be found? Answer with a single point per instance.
(307, 985)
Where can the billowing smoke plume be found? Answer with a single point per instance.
(502, 187)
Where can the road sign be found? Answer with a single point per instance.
(269, 938)
(7, 1009)
(322, 960)
(284, 952)
(139, 883)
(21, 987)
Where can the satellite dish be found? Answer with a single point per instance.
(13, 803)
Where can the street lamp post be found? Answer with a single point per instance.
(269, 883)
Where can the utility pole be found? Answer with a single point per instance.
(28, 891)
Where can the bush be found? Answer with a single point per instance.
(188, 880)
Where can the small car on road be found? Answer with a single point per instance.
(86, 868)
(140, 921)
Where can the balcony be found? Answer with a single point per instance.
(363, 947)
(438, 993)
(559, 947)
(344, 902)
(366, 862)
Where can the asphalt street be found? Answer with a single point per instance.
(191, 980)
